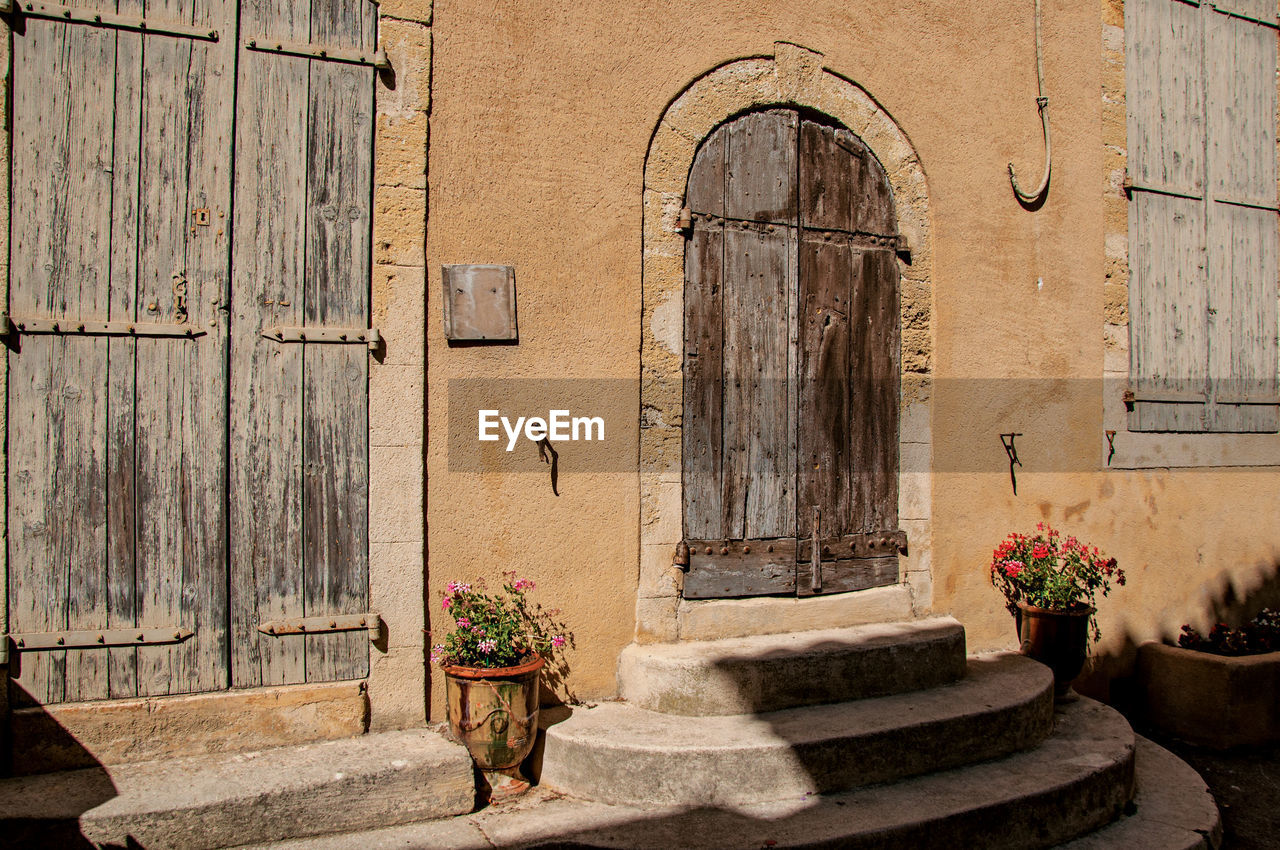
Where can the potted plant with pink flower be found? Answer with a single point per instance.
(1050, 584)
(492, 660)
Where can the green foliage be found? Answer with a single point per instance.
(1053, 572)
(499, 629)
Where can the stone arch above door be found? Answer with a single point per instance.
(794, 76)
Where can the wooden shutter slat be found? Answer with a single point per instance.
(1241, 109)
(1164, 94)
(1243, 322)
(1169, 333)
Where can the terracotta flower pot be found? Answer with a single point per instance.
(494, 713)
(1057, 639)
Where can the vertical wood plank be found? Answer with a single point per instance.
(759, 468)
(335, 427)
(268, 263)
(760, 176)
(60, 219)
(826, 190)
(122, 607)
(823, 417)
(181, 410)
(875, 381)
(56, 388)
(701, 431)
(703, 382)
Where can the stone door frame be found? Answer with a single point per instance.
(793, 77)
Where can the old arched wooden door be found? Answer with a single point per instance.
(791, 363)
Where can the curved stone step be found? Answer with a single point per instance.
(772, 672)
(1172, 809)
(621, 754)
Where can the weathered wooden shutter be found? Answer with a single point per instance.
(117, 367)
(299, 406)
(1201, 95)
(791, 362)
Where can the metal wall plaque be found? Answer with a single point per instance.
(479, 302)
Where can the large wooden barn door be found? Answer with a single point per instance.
(118, 353)
(791, 363)
(154, 328)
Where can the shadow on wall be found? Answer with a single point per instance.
(43, 810)
(1234, 600)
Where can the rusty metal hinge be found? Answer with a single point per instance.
(371, 623)
(352, 56)
(96, 638)
(76, 327)
(350, 336)
(110, 20)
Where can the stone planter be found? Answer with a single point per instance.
(494, 713)
(1212, 700)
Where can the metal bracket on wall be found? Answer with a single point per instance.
(371, 623)
(109, 20)
(96, 638)
(75, 327)
(376, 58)
(350, 336)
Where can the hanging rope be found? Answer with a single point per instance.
(1042, 103)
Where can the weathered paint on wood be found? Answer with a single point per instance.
(791, 356)
(119, 473)
(115, 135)
(335, 378)
(299, 419)
(1203, 326)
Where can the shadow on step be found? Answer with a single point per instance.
(43, 809)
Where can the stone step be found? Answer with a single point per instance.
(1075, 781)
(232, 799)
(617, 753)
(773, 672)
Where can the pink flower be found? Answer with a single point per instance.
(557, 641)
(1040, 550)
(459, 587)
(437, 653)
(463, 623)
(486, 646)
(523, 584)
(1013, 568)
(445, 603)
(477, 630)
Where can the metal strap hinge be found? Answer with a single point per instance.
(96, 638)
(351, 336)
(76, 327)
(352, 56)
(371, 623)
(111, 20)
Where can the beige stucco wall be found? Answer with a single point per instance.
(541, 120)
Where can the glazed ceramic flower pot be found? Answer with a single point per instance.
(1057, 639)
(494, 713)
